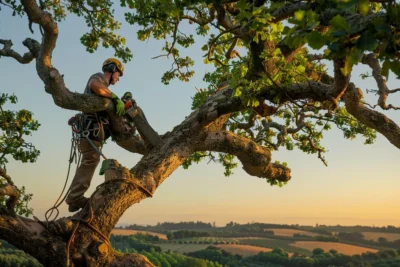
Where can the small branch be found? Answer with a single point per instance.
(383, 91)
(338, 88)
(232, 9)
(250, 122)
(231, 52)
(222, 18)
(7, 5)
(283, 130)
(320, 151)
(212, 43)
(174, 36)
(8, 52)
(315, 57)
(394, 91)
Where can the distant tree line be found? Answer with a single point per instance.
(184, 225)
(226, 233)
(356, 228)
(279, 258)
(261, 225)
(186, 234)
(170, 226)
(321, 238)
(358, 238)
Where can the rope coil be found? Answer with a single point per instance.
(78, 132)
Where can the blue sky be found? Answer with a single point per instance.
(360, 185)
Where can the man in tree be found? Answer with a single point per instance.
(276, 66)
(95, 126)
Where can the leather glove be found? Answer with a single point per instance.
(119, 105)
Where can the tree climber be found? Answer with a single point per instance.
(97, 130)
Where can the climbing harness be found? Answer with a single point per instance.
(80, 125)
(81, 128)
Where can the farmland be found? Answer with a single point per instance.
(339, 247)
(275, 243)
(290, 232)
(244, 250)
(375, 235)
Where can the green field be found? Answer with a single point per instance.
(275, 243)
(181, 248)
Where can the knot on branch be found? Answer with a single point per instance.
(353, 95)
(33, 46)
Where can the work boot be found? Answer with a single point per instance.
(77, 205)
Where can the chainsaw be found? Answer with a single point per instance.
(136, 115)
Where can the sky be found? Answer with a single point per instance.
(359, 186)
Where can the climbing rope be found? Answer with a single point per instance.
(72, 157)
(87, 222)
(77, 124)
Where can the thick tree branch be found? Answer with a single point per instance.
(256, 159)
(13, 196)
(33, 238)
(371, 118)
(338, 88)
(287, 11)
(4, 174)
(384, 91)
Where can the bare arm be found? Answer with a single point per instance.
(99, 89)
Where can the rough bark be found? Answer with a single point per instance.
(83, 237)
(369, 117)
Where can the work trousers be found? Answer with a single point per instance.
(84, 173)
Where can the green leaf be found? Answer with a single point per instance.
(316, 40)
(299, 15)
(257, 11)
(334, 47)
(367, 41)
(339, 23)
(131, 3)
(385, 69)
(242, 5)
(353, 58)
(339, 33)
(395, 67)
(347, 4)
(301, 69)
(364, 7)
(261, 20)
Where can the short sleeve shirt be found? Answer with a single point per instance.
(98, 77)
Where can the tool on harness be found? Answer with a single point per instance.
(85, 134)
(134, 114)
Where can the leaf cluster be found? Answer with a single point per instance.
(15, 126)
